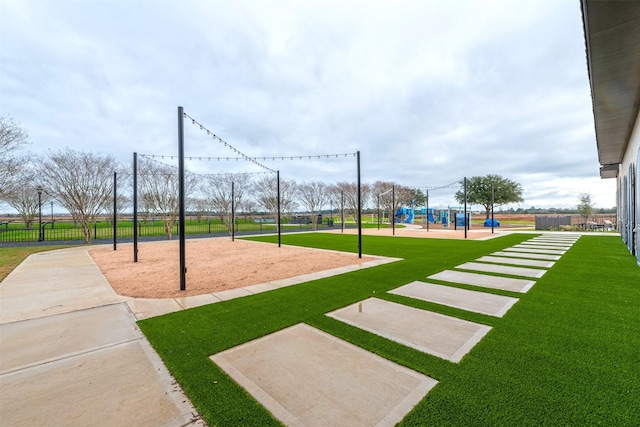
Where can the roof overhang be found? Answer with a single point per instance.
(609, 171)
(612, 36)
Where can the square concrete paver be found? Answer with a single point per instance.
(534, 250)
(306, 377)
(547, 243)
(543, 246)
(502, 269)
(433, 333)
(517, 261)
(484, 280)
(527, 255)
(479, 302)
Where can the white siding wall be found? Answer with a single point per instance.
(628, 202)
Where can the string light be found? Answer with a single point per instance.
(226, 144)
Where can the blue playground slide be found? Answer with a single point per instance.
(405, 211)
(409, 219)
(430, 217)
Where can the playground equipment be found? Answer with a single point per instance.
(428, 212)
(404, 211)
(487, 222)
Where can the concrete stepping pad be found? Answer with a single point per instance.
(550, 242)
(547, 243)
(484, 280)
(527, 255)
(478, 302)
(517, 261)
(502, 269)
(432, 333)
(542, 246)
(555, 240)
(305, 376)
(534, 251)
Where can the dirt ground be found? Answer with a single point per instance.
(219, 264)
(212, 265)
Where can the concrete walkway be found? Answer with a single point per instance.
(71, 353)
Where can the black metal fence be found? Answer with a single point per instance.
(69, 232)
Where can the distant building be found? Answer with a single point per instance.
(612, 36)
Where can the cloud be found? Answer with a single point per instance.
(428, 91)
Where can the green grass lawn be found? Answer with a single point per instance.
(568, 353)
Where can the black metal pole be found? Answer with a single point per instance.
(492, 197)
(115, 210)
(183, 267)
(51, 213)
(465, 207)
(393, 209)
(378, 212)
(278, 219)
(135, 207)
(359, 211)
(40, 238)
(233, 214)
(427, 210)
(342, 210)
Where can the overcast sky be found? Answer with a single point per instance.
(427, 91)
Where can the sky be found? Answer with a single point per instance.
(427, 91)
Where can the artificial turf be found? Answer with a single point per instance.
(568, 353)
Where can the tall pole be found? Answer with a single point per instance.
(465, 207)
(233, 213)
(135, 207)
(51, 212)
(427, 210)
(378, 212)
(40, 237)
(342, 209)
(278, 219)
(359, 212)
(115, 209)
(393, 208)
(492, 199)
(183, 267)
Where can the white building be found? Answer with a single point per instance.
(612, 36)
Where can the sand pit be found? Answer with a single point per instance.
(212, 265)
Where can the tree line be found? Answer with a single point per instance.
(83, 184)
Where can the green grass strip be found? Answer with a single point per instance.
(568, 353)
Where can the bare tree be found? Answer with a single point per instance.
(349, 192)
(248, 207)
(81, 182)
(199, 206)
(159, 191)
(217, 192)
(313, 196)
(392, 196)
(266, 194)
(22, 195)
(12, 137)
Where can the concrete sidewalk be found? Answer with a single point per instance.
(71, 353)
